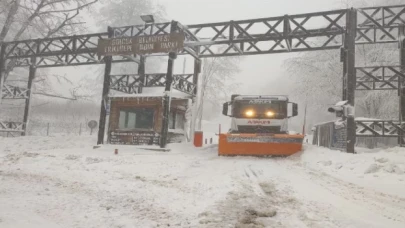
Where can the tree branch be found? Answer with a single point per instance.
(62, 24)
(10, 19)
(27, 22)
(79, 7)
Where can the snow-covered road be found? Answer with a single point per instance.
(63, 182)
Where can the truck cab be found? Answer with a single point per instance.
(259, 114)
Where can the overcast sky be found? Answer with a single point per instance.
(204, 11)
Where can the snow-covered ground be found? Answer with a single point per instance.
(52, 182)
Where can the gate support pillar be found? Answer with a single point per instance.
(166, 100)
(2, 68)
(27, 109)
(141, 73)
(197, 71)
(350, 75)
(166, 96)
(401, 88)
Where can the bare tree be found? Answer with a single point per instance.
(42, 18)
(9, 17)
(128, 12)
(24, 19)
(320, 80)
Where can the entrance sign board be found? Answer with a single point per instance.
(115, 46)
(141, 45)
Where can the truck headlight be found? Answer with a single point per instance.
(269, 113)
(249, 113)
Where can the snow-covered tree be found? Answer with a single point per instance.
(217, 84)
(24, 19)
(28, 19)
(318, 77)
(127, 12)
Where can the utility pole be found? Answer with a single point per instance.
(104, 97)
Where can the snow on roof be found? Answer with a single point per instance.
(366, 119)
(278, 97)
(341, 103)
(322, 123)
(151, 92)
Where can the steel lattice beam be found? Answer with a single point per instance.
(8, 126)
(62, 47)
(125, 83)
(142, 30)
(256, 36)
(14, 92)
(379, 78)
(290, 33)
(382, 15)
(130, 83)
(380, 24)
(271, 35)
(183, 84)
(379, 128)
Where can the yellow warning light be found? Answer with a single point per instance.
(269, 113)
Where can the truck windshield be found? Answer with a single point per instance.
(274, 110)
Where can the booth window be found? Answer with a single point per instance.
(176, 120)
(180, 121)
(172, 121)
(136, 118)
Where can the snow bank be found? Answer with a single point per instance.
(63, 182)
(380, 169)
(57, 141)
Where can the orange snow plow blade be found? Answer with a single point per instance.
(259, 144)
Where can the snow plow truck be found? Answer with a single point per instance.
(259, 127)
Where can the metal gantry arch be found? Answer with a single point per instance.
(337, 29)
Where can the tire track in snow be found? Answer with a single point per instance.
(300, 214)
(258, 192)
(254, 181)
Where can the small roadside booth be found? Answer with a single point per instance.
(137, 119)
